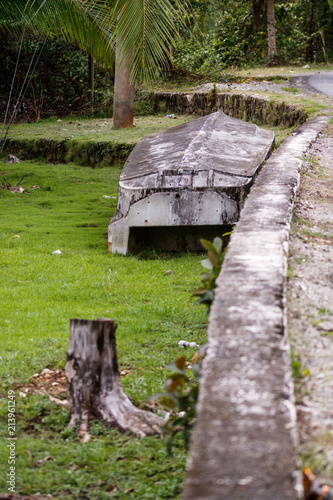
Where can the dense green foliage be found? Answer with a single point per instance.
(59, 84)
(217, 36)
(226, 35)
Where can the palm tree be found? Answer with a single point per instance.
(137, 31)
(142, 33)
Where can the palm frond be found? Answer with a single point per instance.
(144, 30)
(69, 19)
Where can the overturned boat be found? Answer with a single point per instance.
(186, 183)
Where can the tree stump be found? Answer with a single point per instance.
(93, 385)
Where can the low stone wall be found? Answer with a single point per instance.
(244, 107)
(65, 151)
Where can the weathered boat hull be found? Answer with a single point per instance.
(192, 175)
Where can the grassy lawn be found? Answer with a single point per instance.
(69, 211)
(98, 129)
(40, 292)
(277, 74)
(284, 71)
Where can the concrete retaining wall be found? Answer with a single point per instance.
(244, 445)
(244, 107)
(83, 153)
(240, 106)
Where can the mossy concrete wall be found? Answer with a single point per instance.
(64, 151)
(243, 107)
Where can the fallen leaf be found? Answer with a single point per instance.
(46, 459)
(114, 490)
(46, 371)
(326, 241)
(17, 189)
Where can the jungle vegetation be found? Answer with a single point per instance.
(204, 39)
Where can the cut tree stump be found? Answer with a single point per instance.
(93, 385)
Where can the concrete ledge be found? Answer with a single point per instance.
(244, 445)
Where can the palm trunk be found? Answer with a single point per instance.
(123, 99)
(271, 30)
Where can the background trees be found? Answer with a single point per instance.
(228, 34)
(139, 31)
(237, 33)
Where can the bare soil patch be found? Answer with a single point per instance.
(310, 306)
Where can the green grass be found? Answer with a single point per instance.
(282, 71)
(293, 90)
(40, 292)
(311, 106)
(94, 130)
(281, 133)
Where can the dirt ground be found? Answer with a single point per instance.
(310, 306)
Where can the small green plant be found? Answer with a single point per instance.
(302, 259)
(298, 370)
(181, 396)
(278, 80)
(212, 264)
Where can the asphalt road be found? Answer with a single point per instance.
(322, 82)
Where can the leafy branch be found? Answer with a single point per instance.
(213, 264)
(182, 390)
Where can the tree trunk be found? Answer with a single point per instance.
(91, 79)
(271, 30)
(93, 385)
(123, 98)
(256, 8)
(310, 46)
